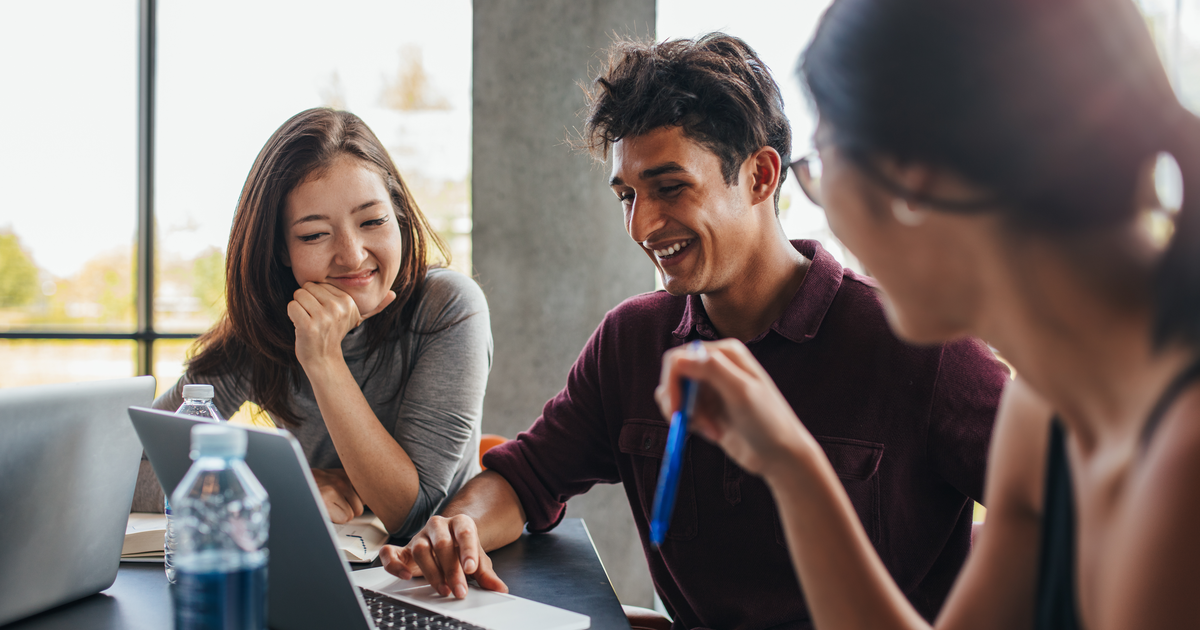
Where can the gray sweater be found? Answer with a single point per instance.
(429, 396)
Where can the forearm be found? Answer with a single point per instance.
(380, 470)
(846, 585)
(494, 506)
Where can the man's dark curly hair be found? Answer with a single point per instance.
(715, 88)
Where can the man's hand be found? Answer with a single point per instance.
(445, 551)
(341, 500)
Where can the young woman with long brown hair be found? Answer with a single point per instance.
(989, 162)
(340, 328)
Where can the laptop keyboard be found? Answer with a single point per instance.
(393, 614)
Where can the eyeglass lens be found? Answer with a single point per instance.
(808, 173)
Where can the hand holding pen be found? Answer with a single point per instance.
(668, 475)
(738, 406)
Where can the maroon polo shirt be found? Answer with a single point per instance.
(905, 428)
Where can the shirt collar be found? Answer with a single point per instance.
(803, 315)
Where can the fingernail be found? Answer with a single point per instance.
(460, 591)
(469, 565)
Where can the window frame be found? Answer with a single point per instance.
(144, 333)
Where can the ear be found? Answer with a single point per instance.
(765, 167)
(919, 180)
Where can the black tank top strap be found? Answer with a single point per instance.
(1055, 607)
(1177, 387)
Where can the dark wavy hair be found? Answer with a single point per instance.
(1052, 106)
(255, 339)
(715, 88)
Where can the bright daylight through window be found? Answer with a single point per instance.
(68, 218)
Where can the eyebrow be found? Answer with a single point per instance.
(652, 172)
(322, 217)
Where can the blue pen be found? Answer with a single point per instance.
(668, 476)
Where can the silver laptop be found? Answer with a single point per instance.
(68, 463)
(309, 583)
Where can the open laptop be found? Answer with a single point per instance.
(310, 585)
(68, 463)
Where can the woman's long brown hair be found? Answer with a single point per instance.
(255, 340)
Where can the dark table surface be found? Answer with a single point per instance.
(560, 568)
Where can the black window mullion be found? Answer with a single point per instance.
(147, 35)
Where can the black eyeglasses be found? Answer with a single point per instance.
(808, 172)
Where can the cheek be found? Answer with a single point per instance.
(925, 302)
(390, 251)
(300, 262)
(846, 208)
(852, 222)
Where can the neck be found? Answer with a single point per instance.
(1087, 352)
(759, 293)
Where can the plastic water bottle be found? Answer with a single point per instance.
(222, 517)
(197, 401)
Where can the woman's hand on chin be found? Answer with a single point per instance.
(323, 314)
(739, 408)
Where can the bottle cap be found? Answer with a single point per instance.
(198, 391)
(218, 440)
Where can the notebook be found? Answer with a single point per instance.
(68, 463)
(360, 539)
(310, 586)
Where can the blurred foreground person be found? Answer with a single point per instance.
(991, 163)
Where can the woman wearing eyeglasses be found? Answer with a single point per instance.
(991, 163)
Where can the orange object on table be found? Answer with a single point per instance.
(486, 442)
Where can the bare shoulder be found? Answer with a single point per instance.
(1018, 450)
(995, 589)
(1150, 578)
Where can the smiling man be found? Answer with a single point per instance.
(700, 145)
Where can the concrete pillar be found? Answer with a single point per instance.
(548, 243)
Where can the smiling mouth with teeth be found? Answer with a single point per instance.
(672, 250)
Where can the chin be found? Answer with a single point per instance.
(678, 288)
(367, 304)
(912, 331)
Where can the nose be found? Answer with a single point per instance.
(349, 250)
(642, 219)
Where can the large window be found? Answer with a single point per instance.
(214, 80)
(68, 212)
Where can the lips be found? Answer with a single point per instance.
(671, 250)
(359, 279)
(668, 253)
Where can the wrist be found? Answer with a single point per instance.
(324, 365)
(795, 459)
